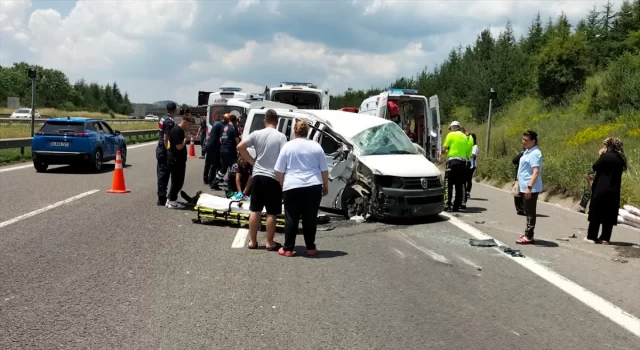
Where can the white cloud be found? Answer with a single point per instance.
(171, 49)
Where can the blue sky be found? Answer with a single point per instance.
(159, 50)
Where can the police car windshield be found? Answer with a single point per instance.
(217, 112)
(386, 138)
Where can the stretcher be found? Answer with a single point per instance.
(236, 212)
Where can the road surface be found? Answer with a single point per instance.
(80, 268)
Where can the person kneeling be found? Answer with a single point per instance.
(239, 179)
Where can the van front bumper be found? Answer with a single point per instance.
(403, 203)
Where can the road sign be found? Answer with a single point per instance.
(13, 102)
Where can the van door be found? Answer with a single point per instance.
(325, 99)
(285, 125)
(382, 105)
(266, 93)
(435, 133)
(340, 165)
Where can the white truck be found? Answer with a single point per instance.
(422, 116)
(301, 95)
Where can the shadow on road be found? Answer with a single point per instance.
(542, 216)
(473, 210)
(414, 221)
(479, 199)
(83, 170)
(546, 244)
(322, 254)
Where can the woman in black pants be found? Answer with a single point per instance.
(302, 171)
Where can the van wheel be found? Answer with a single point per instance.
(40, 166)
(353, 204)
(96, 165)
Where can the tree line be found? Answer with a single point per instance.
(53, 90)
(596, 60)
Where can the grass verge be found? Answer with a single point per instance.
(13, 155)
(58, 113)
(18, 129)
(569, 141)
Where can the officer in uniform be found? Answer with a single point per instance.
(165, 125)
(212, 156)
(457, 147)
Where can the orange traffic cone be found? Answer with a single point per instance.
(118, 185)
(192, 149)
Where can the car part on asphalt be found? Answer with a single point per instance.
(485, 243)
(513, 252)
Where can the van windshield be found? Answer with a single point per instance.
(386, 138)
(218, 111)
(300, 99)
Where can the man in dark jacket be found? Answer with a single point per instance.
(165, 124)
(212, 155)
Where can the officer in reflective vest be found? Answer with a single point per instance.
(165, 125)
(458, 149)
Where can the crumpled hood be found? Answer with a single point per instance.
(403, 165)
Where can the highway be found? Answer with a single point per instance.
(80, 268)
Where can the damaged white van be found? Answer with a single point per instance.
(374, 169)
(407, 108)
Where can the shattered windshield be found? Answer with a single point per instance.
(386, 138)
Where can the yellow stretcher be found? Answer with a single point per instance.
(227, 210)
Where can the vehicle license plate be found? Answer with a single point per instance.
(60, 144)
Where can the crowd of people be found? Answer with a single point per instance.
(294, 172)
(604, 181)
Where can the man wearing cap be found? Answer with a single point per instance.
(165, 125)
(456, 146)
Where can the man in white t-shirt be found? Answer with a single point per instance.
(266, 192)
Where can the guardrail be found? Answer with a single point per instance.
(43, 119)
(26, 141)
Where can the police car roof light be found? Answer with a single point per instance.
(233, 89)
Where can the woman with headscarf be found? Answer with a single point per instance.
(302, 171)
(605, 198)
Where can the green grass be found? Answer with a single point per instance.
(59, 113)
(13, 155)
(569, 141)
(21, 129)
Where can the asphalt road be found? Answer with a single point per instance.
(107, 271)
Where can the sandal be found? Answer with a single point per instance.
(252, 247)
(524, 240)
(276, 247)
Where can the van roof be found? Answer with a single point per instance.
(271, 104)
(347, 124)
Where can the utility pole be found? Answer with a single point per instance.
(492, 96)
(32, 76)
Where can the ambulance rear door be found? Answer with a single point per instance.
(434, 131)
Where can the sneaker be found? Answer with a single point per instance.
(174, 205)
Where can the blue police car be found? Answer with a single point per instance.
(76, 141)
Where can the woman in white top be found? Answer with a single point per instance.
(474, 164)
(302, 171)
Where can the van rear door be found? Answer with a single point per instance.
(382, 105)
(325, 99)
(434, 133)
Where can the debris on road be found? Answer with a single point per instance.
(359, 219)
(482, 242)
(573, 236)
(513, 252)
(479, 221)
(622, 261)
(323, 218)
(563, 239)
(326, 228)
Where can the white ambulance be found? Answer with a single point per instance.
(301, 95)
(240, 108)
(422, 116)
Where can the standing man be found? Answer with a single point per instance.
(467, 168)
(266, 191)
(202, 133)
(212, 155)
(165, 125)
(456, 146)
(177, 159)
(228, 151)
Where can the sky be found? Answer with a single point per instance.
(169, 50)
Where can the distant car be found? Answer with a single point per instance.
(151, 117)
(23, 113)
(76, 141)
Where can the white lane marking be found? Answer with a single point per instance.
(142, 144)
(399, 253)
(433, 255)
(16, 168)
(241, 238)
(3, 170)
(602, 306)
(469, 262)
(48, 207)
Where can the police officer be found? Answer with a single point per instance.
(228, 143)
(165, 125)
(465, 190)
(457, 147)
(212, 156)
